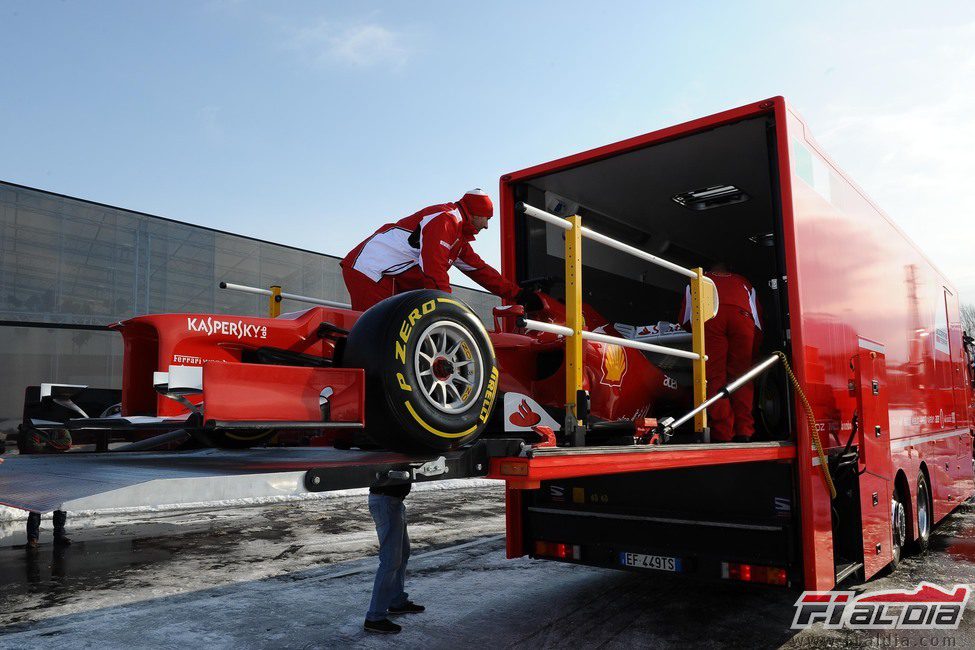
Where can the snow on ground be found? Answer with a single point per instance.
(299, 576)
(128, 558)
(12, 520)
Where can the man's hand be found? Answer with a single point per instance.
(524, 296)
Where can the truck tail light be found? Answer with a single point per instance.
(770, 575)
(558, 550)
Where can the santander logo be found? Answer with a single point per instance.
(524, 416)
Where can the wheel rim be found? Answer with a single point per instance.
(448, 366)
(923, 520)
(899, 521)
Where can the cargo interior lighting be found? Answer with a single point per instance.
(766, 240)
(714, 196)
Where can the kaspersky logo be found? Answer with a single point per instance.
(927, 607)
(214, 326)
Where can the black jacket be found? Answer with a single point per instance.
(399, 491)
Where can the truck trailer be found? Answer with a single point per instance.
(870, 325)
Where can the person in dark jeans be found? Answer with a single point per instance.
(388, 595)
(34, 529)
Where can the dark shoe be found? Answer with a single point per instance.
(741, 439)
(409, 608)
(62, 540)
(382, 626)
(33, 545)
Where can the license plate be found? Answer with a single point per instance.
(656, 562)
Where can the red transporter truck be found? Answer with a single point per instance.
(871, 326)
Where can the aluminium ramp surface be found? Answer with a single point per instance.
(81, 481)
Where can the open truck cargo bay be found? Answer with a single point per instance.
(871, 326)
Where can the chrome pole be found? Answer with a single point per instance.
(669, 424)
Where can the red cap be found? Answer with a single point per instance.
(477, 203)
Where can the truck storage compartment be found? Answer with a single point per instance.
(697, 521)
(697, 200)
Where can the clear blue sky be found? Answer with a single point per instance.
(310, 123)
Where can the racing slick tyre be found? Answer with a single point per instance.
(431, 375)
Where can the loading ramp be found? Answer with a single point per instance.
(86, 481)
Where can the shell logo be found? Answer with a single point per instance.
(614, 365)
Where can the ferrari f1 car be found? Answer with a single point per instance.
(418, 371)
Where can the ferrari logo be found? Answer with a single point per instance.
(614, 365)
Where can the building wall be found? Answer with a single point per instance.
(68, 265)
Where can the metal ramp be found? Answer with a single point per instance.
(90, 481)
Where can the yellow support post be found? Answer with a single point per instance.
(573, 315)
(274, 302)
(702, 309)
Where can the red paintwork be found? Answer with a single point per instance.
(153, 343)
(278, 393)
(852, 274)
(874, 465)
(859, 277)
(527, 474)
(622, 384)
(514, 545)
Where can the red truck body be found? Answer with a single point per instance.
(871, 325)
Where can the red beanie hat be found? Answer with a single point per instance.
(477, 203)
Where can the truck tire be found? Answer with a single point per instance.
(898, 532)
(431, 375)
(924, 514)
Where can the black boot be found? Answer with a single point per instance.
(382, 626)
(60, 537)
(33, 529)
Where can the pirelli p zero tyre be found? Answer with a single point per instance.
(431, 376)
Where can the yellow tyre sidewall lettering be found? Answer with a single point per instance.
(437, 432)
(402, 383)
(408, 325)
(400, 347)
(489, 395)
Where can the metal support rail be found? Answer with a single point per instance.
(276, 296)
(703, 306)
(540, 326)
(669, 424)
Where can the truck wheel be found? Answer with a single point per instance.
(431, 376)
(898, 529)
(923, 515)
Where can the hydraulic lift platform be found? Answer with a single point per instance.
(90, 481)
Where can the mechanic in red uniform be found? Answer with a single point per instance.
(731, 341)
(416, 253)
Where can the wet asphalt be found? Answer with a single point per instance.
(299, 574)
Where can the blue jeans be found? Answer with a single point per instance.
(389, 513)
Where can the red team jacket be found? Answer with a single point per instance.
(419, 250)
(733, 291)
